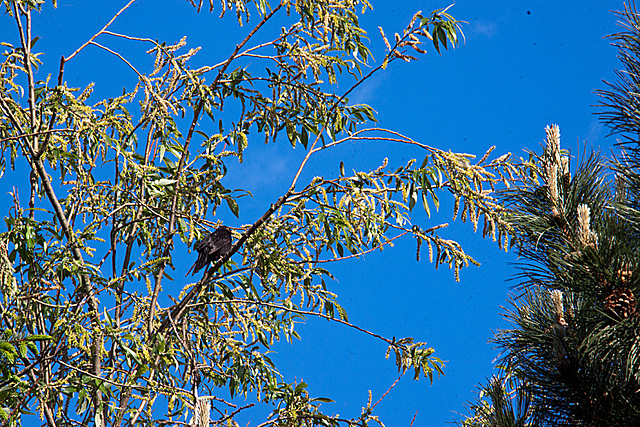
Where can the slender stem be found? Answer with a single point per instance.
(25, 41)
(312, 149)
(354, 136)
(143, 404)
(38, 166)
(391, 56)
(124, 36)
(234, 55)
(306, 313)
(177, 312)
(64, 60)
(388, 391)
(70, 57)
(172, 218)
(123, 59)
(42, 132)
(359, 254)
(141, 77)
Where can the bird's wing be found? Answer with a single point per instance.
(218, 241)
(211, 247)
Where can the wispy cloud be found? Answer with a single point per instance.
(595, 133)
(484, 28)
(368, 91)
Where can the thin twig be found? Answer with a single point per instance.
(355, 137)
(70, 57)
(234, 413)
(306, 313)
(177, 310)
(388, 391)
(414, 418)
(124, 36)
(390, 57)
(354, 255)
(42, 132)
(140, 76)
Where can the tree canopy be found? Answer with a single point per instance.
(117, 185)
(571, 355)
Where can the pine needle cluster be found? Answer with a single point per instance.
(572, 354)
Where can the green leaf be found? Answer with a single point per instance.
(8, 350)
(233, 206)
(301, 386)
(425, 204)
(322, 399)
(413, 196)
(38, 338)
(329, 309)
(342, 312)
(22, 349)
(130, 352)
(163, 181)
(291, 133)
(442, 35)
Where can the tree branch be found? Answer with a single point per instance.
(185, 152)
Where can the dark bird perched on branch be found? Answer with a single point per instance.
(211, 248)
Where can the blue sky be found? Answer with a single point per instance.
(524, 65)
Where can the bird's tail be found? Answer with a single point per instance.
(197, 266)
(190, 271)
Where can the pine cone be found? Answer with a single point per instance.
(621, 303)
(566, 180)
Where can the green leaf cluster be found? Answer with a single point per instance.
(99, 328)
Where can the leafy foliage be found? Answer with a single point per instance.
(117, 184)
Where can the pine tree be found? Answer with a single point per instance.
(572, 356)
